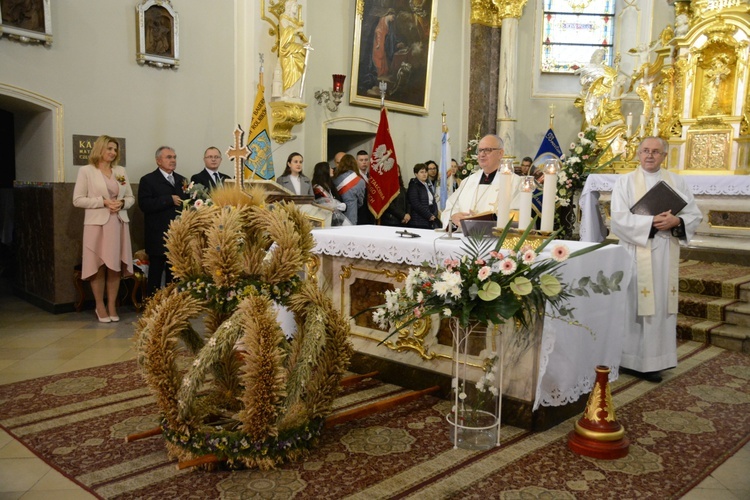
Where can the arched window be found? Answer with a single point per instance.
(572, 30)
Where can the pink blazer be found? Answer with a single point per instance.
(90, 191)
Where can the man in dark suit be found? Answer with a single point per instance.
(210, 176)
(364, 216)
(160, 196)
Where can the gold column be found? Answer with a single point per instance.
(492, 12)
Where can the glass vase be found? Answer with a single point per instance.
(476, 386)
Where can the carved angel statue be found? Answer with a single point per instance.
(601, 90)
(681, 24)
(643, 52)
(293, 47)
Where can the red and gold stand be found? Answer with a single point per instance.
(598, 434)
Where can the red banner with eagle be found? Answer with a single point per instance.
(382, 187)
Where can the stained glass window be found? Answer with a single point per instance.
(572, 30)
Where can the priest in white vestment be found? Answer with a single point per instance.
(650, 343)
(478, 193)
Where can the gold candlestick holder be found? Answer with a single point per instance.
(534, 239)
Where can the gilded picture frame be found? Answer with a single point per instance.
(26, 21)
(393, 43)
(158, 34)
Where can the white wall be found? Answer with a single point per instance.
(90, 68)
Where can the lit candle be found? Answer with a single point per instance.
(629, 122)
(338, 83)
(549, 196)
(524, 207)
(504, 193)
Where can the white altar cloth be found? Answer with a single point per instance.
(569, 353)
(592, 227)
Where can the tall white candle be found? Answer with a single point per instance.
(524, 206)
(656, 121)
(643, 125)
(549, 196)
(505, 192)
(629, 122)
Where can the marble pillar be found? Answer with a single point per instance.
(494, 66)
(483, 79)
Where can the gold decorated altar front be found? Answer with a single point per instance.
(551, 366)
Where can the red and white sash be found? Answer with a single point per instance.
(349, 181)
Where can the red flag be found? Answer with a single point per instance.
(382, 187)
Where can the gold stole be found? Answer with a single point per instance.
(646, 301)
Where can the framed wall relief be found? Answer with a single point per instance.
(158, 34)
(26, 21)
(393, 44)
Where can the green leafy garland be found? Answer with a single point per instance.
(237, 449)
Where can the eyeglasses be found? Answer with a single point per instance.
(431, 168)
(486, 150)
(648, 152)
(214, 157)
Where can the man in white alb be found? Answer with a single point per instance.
(650, 343)
(478, 193)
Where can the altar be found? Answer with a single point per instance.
(552, 366)
(723, 199)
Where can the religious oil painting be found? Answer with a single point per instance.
(26, 21)
(393, 48)
(158, 34)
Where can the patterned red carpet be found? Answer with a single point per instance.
(680, 431)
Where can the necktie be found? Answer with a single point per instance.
(170, 179)
(217, 179)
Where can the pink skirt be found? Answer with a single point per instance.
(107, 245)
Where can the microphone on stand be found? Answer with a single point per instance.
(449, 233)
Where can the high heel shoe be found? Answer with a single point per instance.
(113, 317)
(105, 319)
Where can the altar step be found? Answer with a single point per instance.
(715, 304)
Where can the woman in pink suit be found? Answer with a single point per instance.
(103, 189)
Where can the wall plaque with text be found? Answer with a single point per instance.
(82, 145)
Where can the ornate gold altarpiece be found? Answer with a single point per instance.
(704, 91)
(695, 93)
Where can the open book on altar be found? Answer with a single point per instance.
(484, 223)
(659, 199)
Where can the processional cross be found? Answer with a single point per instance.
(238, 153)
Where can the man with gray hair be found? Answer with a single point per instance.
(478, 194)
(160, 196)
(653, 241)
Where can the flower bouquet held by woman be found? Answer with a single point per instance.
(326, 195)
